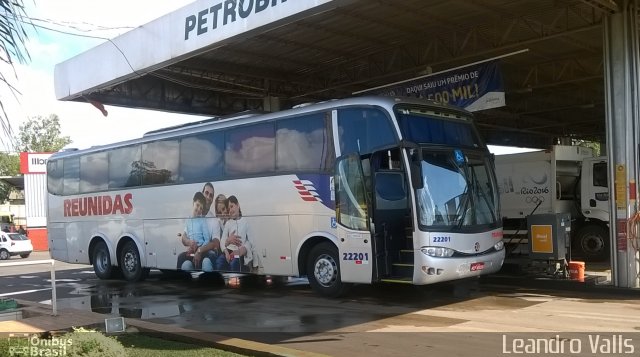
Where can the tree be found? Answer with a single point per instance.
(590, 144)
(9, 166)
(41, 134)
(12, 40)
(38, 134)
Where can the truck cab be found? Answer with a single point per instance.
(594, 189)
(563, 179)
(592, 237)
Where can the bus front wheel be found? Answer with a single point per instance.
(130, 263)
(323, 271)
(102, 261)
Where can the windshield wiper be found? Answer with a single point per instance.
(482, 194)
(463, 214)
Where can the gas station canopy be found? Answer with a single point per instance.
(218, 57)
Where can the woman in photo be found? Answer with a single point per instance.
(238, 254)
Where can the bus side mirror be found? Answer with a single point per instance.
(416, 175)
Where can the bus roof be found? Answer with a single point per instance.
(243, 118)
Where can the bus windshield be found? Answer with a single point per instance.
(458, 190)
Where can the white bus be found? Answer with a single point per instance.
(359, 190)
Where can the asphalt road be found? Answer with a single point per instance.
(34, 257)
(380, 320)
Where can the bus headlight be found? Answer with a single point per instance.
(499, 246)
(440, 252)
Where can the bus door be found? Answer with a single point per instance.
(390, 212)
(353, 221)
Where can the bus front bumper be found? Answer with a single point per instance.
(429, 270)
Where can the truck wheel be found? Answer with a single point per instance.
(102, 261)
(593, 243)
(130, 263)
(4, 254)
(323, 271)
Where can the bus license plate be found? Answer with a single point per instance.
(477, 266)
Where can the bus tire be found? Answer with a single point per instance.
(593, 243)
(323, 271)
(102, 261)
(130, 263)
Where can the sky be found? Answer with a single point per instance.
(61, 30)
(81, 121)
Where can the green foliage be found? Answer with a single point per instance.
(593, 145)
(9, 166)
(12, 40)
(41, 134)
(88, 343)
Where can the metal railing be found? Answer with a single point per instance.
(54, 305)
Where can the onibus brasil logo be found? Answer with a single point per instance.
(22, 345)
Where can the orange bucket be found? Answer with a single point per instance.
(576, 271)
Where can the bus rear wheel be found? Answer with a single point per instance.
(130, 263)
(323, 271)
(102, 261)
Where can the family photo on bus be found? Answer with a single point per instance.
(216, 235)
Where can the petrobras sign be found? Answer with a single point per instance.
(216, 20)
(475, 87)
(33, 163)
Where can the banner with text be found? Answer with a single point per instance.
(473, 88)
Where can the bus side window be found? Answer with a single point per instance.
(302, 143)
(363, 129)
(54, 176)
(94, 172)
(390, 186)
(160, 160)
(201, 157)
(250, 149)
(123, 170)
(71, 176)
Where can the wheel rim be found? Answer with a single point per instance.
(4, 255)
(592, 244)
(325, 270)
(102, 261)
(130, 261)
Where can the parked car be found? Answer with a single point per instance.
(14, 244)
